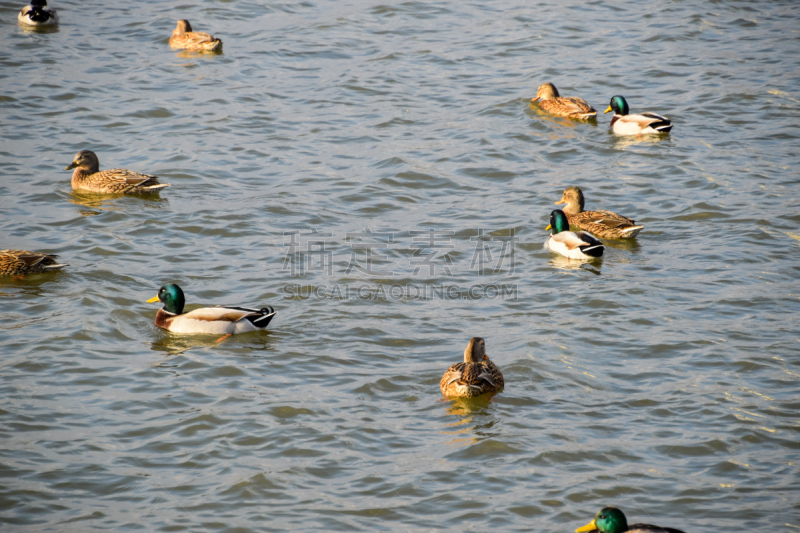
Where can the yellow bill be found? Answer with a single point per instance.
(607, 110)
(548, 227)
(591, 526)
(153, 299)
(562, 201)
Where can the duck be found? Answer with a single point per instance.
(612, 520)
(220, 319)
(562, 106)
(477, 375)
(37, 14)
(183, 38)
(603, 224)
(87, 177)
(623, 123)
(572, 244)
(20, 262)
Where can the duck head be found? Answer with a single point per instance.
(558, 222)
(607, 520)
(546, 91)
(476, 350)
(172, 297)
(85, 159)
(618, 105)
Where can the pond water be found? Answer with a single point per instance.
(376, 173)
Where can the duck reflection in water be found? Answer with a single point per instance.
(107, 202)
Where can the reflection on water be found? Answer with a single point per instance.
(567, 263)
(175, 344)
(26, 29)
(466, 409)
(196, 54)
(626, 141)
(107, 202)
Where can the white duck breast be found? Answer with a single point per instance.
(575, 245)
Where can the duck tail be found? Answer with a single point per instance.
(154, 188)
(593, 251)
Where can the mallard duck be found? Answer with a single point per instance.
(604, 224)
(220, 319)
(572, 244)
(562, 106)
(17, 262)
(623, 123)
(37, 14)
(183, 38)
(475, 376)
(612, 520)
(87, 176)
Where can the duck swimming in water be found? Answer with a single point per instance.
(572, 244)
(88, 177)
(475, 376)
(183, 38)
(37, 14)
(624, 123)
(603, 224)
(562, 106)
(220, 319)
(20, 262)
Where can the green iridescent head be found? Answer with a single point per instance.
(172, 297)
(618, 105)
(607, 520)
(558, 222)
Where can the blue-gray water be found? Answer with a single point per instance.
(663, 379)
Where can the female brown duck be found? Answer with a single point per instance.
(88, 177)
(603, 224)
(475, 376)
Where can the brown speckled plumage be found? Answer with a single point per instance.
(183, 38)
(603, 224)
(562, 106)
(475, 376)
(88, 177)
(18, 262)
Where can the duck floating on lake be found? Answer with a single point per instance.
(562, 106)
(477, 375)
(88, 177)
(218, 320)
(624, 123)
(572, 244)
(183, 38)
(37, 14)
(20, 262)
(604, 224)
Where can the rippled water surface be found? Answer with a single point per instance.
(394, 144)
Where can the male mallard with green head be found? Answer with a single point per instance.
(88, 177)
(37, 14)
(612, 520)
(572, 244)
(475, 376)
(562, 106)
(183, 38)
(624, 123)
(19, 262)
(220, 319)
(604, 224)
